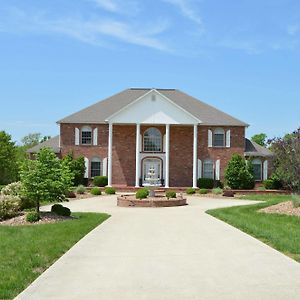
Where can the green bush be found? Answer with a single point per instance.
(170, 194)
(61, 210)
(190, 191)
(217, 191)
(142, 194)
(205, 183)
(273, 183)
(9, 206)
(239, 173)
(110, 191)
(32, 217)
(100, 181)
(80, 189)
(95, 191)
(203, 191)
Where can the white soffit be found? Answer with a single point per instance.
(153, 108)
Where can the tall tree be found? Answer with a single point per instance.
(260, 139)
(33, 139)
(8, 164)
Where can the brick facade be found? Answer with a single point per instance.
(181, 149)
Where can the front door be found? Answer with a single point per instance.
(151, 163)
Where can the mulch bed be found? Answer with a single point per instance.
(46, 218)
(284, 208)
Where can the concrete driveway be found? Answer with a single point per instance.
(166, 253)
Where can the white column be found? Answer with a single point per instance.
(167, 155)
(137, 155)
(195, 157)
(110, 138)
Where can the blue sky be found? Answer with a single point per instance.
(59, 56)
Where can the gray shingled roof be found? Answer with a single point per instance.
(52, 143)
(253, 149)
(100, 111)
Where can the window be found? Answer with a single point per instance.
(152, 140)
(95, 167)
(257, 169)
(208, 169)
(86, 135)
(219, 138)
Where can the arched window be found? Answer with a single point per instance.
(257, 169)
(95, 167)
(86, 135)
(208, 169)
(219, 138)
(152, 140)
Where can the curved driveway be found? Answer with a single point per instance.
(166, 253)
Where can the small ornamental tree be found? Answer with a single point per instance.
(287, 160)
(260, 139)
(77, 167)
(46, 178)
(239, 173)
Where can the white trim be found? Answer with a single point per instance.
(137, 155)
(210, 138)
(195, 156)
(77, 134)
(86, 164)
(199, 174)
(218, 166)
(167, 149)
(228, 138)
(197, 121)
(265, 170)
(95, 136)
(110, 141)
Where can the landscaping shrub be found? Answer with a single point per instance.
(95, 191)
(12, 189)
(170, 194)
(203, 191)
(142, 194)
(70, 194)
(80, 189)
(217, 191)
(32, 217)
(100, 181)
(190, 191)
(273, 183)
(110, 191)
(9, 206)
(205, 183)
(61, 210)
(218, 184)
(239, 173)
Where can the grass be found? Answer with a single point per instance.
(281, 232)
(26, 251)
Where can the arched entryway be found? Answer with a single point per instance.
(151, 162)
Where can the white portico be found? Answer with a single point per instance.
(153, 108)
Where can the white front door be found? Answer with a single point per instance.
(149, 163)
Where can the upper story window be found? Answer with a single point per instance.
(257, 169)
(95, 167)
(86, 135)
(208, 169)
(152, 140)
(219, 137)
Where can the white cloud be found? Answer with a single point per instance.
(128, 7)
(186, 10)
(93, 31)
(292, 29)
(109, 5)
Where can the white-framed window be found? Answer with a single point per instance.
(152, 140)
(86, 135)
(257, 169)
(219, 137)
(95, 166)
(208, 169)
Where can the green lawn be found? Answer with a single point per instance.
(26, 251)
(279, 231)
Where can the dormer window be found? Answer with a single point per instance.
(86, 135)
(219, 138)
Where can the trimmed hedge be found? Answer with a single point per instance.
(142, 194)
(100, 181)
(110, 191)
(95, 191)
(203, 191)
(61, 210)
(190, 191)
(205, 183)
(170, 194)
(32, 217)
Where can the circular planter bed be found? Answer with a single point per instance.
(159, 201)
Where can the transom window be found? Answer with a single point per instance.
(86, 135)
(257, 169)
(95, 167)
(219, 137)
(208, 169)
(152, 140)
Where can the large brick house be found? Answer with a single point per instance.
(182, 138)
